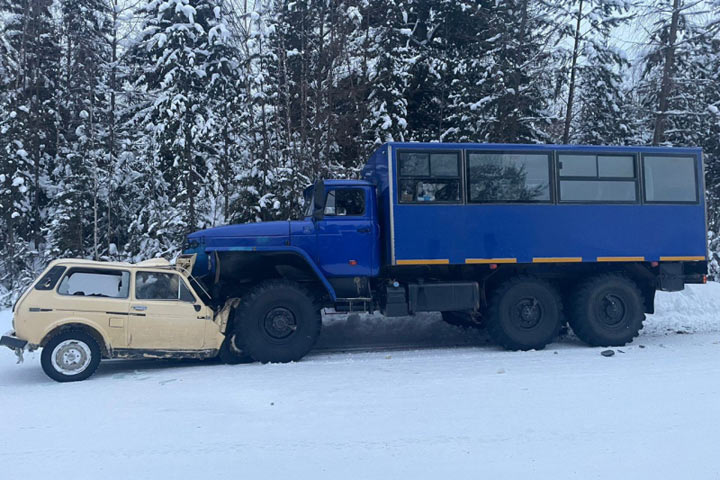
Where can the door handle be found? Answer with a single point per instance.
(140, 308)
(364, 230)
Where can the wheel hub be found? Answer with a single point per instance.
(71, 357)
(528, 312)
(612, 309)
(280, 323)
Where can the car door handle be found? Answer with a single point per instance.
(364, 230)
(140, 308)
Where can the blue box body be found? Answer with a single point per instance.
(534, 233)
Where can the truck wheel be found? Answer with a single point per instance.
(463, 319)
(70, 356)
(608, 311)
(525, 313)
(277, 321)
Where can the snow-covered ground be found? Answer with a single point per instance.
(386, 398)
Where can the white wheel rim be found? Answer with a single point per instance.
(71, 357)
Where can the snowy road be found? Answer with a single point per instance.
(451, 405)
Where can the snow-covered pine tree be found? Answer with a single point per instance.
(391, 57)
(28, 135)
(582, 30)
(521, 69)
(257, 123)
(448, 75)
(179, 39)
(80, 176)
(605, 116)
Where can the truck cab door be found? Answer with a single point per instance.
(347, 235)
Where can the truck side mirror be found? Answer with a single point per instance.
(318, 200)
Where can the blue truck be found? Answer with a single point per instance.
(518, 239)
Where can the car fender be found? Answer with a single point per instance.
(76, 321)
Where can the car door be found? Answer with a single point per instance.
(346, 233)
(164, 313)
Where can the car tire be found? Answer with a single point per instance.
(525, 313)
(463, 319)
(278, 321)
(607, 311)
(230, 353)
(70, 356)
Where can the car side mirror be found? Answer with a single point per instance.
(318, 200)
(197, 307)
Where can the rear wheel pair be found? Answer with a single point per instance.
(526, 313)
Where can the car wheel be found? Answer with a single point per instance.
(230, 353)
(70, 356)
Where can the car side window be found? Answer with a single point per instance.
(161, 286)
(86, 282)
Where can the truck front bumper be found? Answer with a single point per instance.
(15, 344)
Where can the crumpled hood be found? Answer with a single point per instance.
(245, 235)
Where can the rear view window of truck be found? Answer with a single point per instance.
(95, 283)
(670, 179)
(508, 177)
(428, 177)
(597, 178)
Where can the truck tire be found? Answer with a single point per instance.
(607, 311)
(277, 321)
(463, 319)
(70, 356)
(525, 313)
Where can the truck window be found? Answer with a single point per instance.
(95, 283)
(427, 177)
(670, 179)
(345, 202)
(497, 177)
(597, 178)
(161, 286)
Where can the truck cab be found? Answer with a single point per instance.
(342, 233)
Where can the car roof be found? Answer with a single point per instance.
(151, 263)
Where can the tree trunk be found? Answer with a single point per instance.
(573, 69)
(668, 70)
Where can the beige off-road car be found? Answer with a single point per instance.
(82, 311)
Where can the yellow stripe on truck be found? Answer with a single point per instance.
(491, 260)
(682, 259)
(557, 259)
(620, 259)
(432, 261)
